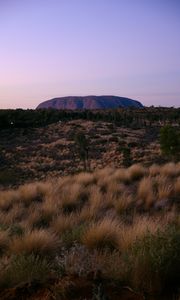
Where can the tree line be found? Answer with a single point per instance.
(127, 117)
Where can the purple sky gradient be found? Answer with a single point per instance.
(51, 48)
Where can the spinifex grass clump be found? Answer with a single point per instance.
(40, 242)
(104, 234)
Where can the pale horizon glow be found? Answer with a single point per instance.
(54, 48)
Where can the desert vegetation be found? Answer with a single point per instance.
(114, 229)
(89, 204)
(128, 117)
(48, 143)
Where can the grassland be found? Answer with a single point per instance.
(104, 233)
(110, 232)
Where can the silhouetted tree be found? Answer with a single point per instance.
(169, 140)
(83, 148)
(127, 159)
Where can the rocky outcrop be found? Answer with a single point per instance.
(89, 102)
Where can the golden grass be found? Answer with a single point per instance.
(41, 242)
(33, 192)
(154, 170)
(114, 188)
(145, 191)
(105, 233)
(7, 198)
(95, 203)
(15, 214)
(63, 223)
(120, 175)
(72, 197)
(139, 227)
(102, 214)
(85, 179)
(177, 187)
(169, 169)
(97, 199)
(122, 203)
(136, 172)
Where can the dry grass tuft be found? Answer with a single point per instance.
(15, 214)
(177, 187)
(7, 198)
(120, 175)
(104, 234)
(63, 223)
(169, 169)
(40, 242)
(145, 191)
(154, 170)
(72, 197)
(85, 179)
(33, 192)
(139, 228)
(123, 203)
(136, 172)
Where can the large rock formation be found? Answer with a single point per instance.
(89, 102)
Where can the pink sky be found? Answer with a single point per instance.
(59, 48)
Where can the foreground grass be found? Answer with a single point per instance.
(121, 223)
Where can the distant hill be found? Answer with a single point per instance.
(89, 102)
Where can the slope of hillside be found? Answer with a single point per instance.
(89, 102)
(51, 151)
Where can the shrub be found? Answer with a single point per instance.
(79, 260)
(169, 140)
(8, 177)
(25, 269)
(155, 261)
(127, 159)
(76, 260)
(72, 236)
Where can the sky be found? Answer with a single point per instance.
(54, 48)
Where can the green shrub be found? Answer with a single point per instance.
(154, 261)
(72, 236)
(25, 269)
(16, 230)
(127, 159)
(7, 177)
(169, 140)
